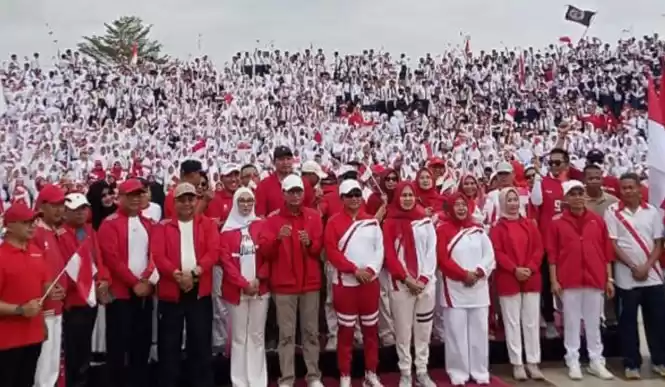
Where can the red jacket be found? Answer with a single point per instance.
(517, 243)
(220, 206)
(47, 240)
(165, 248)
(335, 229)
(233, 282)
(114, 240)
(580, 248)
(294, 268)
(552, 203)
(331, 204)
(69, 244)
(269, 196)
(611, 184)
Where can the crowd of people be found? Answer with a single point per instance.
(450, 199)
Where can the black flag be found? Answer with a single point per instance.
(579, 16)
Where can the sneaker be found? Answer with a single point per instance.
(372, 380)
(423, 380)
(405, 381)
(534, 372)
(659, 370)
(632, 374)
(519, 373)
(599, 370)
(388, 341)
(551, 332)
(331, 344)
(345, 381)
(575, 372)
(314, 383)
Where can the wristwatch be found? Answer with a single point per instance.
(19, 310)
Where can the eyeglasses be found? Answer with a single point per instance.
(245, 201)
(391, 178)
(353, 195)
(555, 163)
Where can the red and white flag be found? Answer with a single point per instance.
(82, 270)
(656, 149)
(135, 54)
(198, 150)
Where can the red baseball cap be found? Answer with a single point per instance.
(51, 194)
(130, 186)
(19, 212)
(436, 161)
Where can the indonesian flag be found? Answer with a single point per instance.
(510, 115)
(3, 102)
(198, 150)
(135, 54)
(426, 151)
(656, 150)
(82, 270)
(565, 40)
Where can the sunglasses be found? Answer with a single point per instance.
(391, 178)
(353, 195)
(555, 163)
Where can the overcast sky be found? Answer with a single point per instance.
(416, 27)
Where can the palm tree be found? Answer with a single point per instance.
(116, 46)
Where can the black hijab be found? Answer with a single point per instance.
(94, 195)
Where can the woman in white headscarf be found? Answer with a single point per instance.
(245, 288)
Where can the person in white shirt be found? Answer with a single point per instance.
(636, 231)
(466, 260)
(185, 248)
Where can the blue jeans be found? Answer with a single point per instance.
(652, 301)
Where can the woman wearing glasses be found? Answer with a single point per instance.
(245, 288)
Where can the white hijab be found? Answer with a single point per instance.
(236, 221)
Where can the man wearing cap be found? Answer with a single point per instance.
(185, 248)
(505, 178)
(24, 277)
(312, 174)
(220, 206)
(597, 157)
(292, 240)
(190, 172)
(50, 203)
(580, 255)
(269, 195)
(126, 253)
(80, 314)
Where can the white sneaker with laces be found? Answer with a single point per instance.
(372, 380)
(575, 372)
(331, 345)
(345, 381)
(405, 381)
(599, 370)
(423, 380)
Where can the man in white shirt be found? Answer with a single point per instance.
(636, 231)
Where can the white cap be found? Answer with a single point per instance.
(312, 166)
(504, 167)
(349, 185)
(570, 184)
(229, 168)
(346, 168)
(292, 181)
(76, 200)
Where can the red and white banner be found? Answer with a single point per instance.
(656, 150)
(135, 54)
(82, 270)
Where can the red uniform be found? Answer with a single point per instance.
(47, 240)
(551, 206)
(269, 195)
(220, 206)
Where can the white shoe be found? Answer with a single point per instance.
(388, 341)
(372, 380)
(405, 381)
(345, 381)
(599, 370)
(575, 372)
(551, 332)
(519, 373)
(331, 345)
(423, 380)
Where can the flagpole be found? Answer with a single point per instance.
(584, 35)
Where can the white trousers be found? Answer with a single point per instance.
(220, 314)
(48, 365)
(413, 317)
(99, 332)
(582, 305)
(437, 326)
(521, 315)
(386, 325)
(248, 353)
(467, 344)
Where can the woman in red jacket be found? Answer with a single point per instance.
(245, 288)
(409, 241)
(518, 250)
(185, 248)
(580, 255)
(426, 192)
(387, 183)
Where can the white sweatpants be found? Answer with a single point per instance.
(248, 353)
(386, 325)
(48, 365)
(521, 315)
(413, 316)
(220, 314)
(437, 326)
(467, 344)
(582, 305)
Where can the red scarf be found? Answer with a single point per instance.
(473, 202)
(400, 220)
(452, 225)
(429, 198)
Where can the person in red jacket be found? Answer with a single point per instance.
(220, 206)
(378, 200)
(518, 249)
(50, 204)
(78, 237)
(125, 246)
(190, 172)
(185, 248)
(426, 192)
(245, 289)
(269, 196)
(292, 239)
(354, 247)
(580, 255)
(312, 174)
(24, 277)
(409, 243)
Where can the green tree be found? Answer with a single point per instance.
(115, 47)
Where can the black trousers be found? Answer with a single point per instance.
(195, 314)
(78, 324)
(128, 341)
(547, 298)
(18, 366)
(652, 301)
